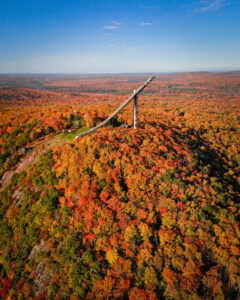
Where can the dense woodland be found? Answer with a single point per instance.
(151, 213)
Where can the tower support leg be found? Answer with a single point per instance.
(135, 113)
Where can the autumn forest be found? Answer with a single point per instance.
(123, 213)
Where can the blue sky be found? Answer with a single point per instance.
(90, 36)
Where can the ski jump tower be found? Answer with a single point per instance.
(133, 98)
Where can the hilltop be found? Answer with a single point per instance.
(122, 213)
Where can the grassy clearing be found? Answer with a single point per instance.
(70, 136)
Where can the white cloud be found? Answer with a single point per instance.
(208, 5)
(110, 27)
(116, 23)
(145, 24)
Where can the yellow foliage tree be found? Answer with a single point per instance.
(112, 255)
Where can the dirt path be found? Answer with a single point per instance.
(36, 149)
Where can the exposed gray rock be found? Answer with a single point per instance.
(5, 179)
(18, 195)
(42, 247)
(42, 279)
